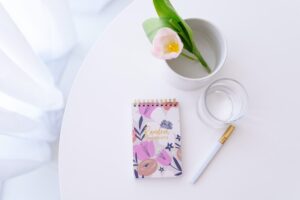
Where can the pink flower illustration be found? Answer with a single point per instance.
(144, 150)
(146, 111)
(163, 158)
(167, 107)
(133, 135)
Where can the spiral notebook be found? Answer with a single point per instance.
(156, 139)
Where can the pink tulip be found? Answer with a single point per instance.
(163, 158)
(144, 150)
(166, 44)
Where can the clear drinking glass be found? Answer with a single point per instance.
(223, 102)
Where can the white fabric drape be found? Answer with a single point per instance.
(27, 95)
(20, 155)
(46, 24)
(23, 120)
(21, 84)
(1, 188)
(88, 6)
(30, 113)
(40, 184)
(19, 61)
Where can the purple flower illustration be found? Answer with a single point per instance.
(144, 150)
(146, 111)
(163, 158)
(166, 124)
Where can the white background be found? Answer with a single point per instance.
(260, 161)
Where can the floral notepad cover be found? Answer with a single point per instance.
(156, 139)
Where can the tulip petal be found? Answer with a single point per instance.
(166, 44)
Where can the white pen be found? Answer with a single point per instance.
(213, 153)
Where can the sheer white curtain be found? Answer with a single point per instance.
(19, 61)
(88, 6)
(46, 24)
(27, 94)
(21, 155)
(33, 32)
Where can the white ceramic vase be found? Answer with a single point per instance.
(187, 74)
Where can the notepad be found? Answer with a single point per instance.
(156, 139)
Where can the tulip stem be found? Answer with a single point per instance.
(189, 57)
(201, 60)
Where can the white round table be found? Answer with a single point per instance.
(260, 161)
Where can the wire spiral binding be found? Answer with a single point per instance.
(155, 102)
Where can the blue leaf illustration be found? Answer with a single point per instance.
(178, 174)
(144, 128)
(138, 137)
(143, 136)
(177, 145)
(136, 174)
(136, 131)
(177, 164)
(140, 122)
(135, 157)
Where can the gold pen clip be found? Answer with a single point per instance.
(227, 134)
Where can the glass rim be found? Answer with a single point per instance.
(206, 94)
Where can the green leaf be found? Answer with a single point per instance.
(185, 39)
(201, 60)
(165, 10)
(152, 25)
